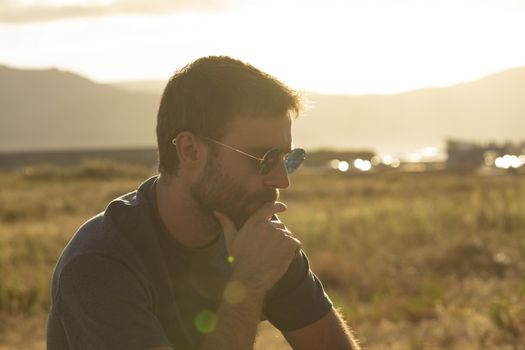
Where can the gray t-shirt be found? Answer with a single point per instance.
(123, 282)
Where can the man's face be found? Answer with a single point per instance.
(230, 182)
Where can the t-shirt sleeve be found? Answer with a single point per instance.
(102, 305)
(297, 299)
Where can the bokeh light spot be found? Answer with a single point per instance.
(234, 292)
(388, 159)
(343, 166)
(396, 163)
(363, 165)
(205, 321)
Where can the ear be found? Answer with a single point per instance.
(191, 151)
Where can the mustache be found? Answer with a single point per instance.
(265, 196)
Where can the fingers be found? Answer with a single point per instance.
(298, 249)
(279, 225)
(228, 227)
(267, 211)
(295, 243)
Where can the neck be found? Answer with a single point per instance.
(181, 214)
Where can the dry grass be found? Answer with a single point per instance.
(416, 261)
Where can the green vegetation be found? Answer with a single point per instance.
(416, 261)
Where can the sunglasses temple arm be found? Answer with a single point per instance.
(236, 150)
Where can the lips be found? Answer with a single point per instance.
(266, 196)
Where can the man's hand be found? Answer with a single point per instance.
(261, 250)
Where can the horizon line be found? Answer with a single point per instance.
(319, 92)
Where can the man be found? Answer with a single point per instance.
(196, 257)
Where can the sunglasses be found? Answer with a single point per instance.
(292, 159)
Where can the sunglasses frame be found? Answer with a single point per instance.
(264, 160)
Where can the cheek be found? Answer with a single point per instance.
(240, 165)
(244, 174)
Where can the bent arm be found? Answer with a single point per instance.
(329, 332)
(236, 324)
(263, 251)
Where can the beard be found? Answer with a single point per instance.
(219, 192)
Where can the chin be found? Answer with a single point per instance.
(240, 217)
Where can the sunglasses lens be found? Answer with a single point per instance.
(269, 160)
(294, 159)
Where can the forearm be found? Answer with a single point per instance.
(346, 331)
(262, 252)
(328, 333)
(236, 322)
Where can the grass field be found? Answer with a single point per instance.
(415, 261)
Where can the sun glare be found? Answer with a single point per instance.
(66, 3)
(343, 47)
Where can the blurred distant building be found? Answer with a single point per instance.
(463, 155)
(323, 158)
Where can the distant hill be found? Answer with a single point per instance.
(149, 86)
(492, 108)
(51, 109)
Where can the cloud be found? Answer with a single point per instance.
(24, 11)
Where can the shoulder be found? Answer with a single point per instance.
(102, 232)
(117, 234)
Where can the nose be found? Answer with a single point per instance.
(277, 177)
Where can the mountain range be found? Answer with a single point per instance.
(52, 109)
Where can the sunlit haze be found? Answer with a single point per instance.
(353, 47)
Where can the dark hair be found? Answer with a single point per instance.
(204, 96)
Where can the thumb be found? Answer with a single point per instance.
(228, 227)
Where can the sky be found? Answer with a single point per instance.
(327, 46)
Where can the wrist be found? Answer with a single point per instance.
(242, 283)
